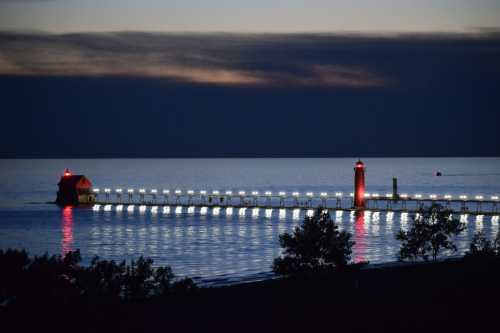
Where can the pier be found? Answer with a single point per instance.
(359, 200)
(191, 199)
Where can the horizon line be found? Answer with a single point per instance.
(340, 32)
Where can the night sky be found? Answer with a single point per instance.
(66, 93)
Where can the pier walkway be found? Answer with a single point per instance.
(204, 199)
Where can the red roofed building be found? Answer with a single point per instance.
(74, 190)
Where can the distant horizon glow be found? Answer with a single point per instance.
(249, 16)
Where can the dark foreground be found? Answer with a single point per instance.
(447, 296)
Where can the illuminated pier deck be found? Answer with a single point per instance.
(216, 200)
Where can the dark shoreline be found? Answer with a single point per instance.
(449, 295)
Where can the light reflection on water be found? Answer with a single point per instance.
(232, 241)
(67, 230)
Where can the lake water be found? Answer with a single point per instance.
(221, 247)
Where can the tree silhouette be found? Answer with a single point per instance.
(60, 280)
(315, 245)
(430, 233)
(482, 248)
(163, 277)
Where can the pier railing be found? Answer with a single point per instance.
(472, 204)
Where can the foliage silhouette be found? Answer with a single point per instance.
(482, 248)
(61, 280)
(316, 245)
(429, 234)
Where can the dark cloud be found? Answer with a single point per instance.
(224, 59)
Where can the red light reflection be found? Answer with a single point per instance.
(359, 236)
(67, 229)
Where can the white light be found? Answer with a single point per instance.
(119, 208)
(178, 192)
(191, 210)
(282, 213)
(269, 213)
(404, 195)
(216, 211)
(463, 197)
(190, 192)
(479, 197)
(310, 213)
(142, 190)
(323, 194)
(448, 196)
(351, 194)
(242, 211)
(154, 209)
(310, 194)
(142, 208)
(295, 194)
(229, 211)
(367, 195)
(282, 194)
(154, 191)
(203, 210)
(166, 191)
(96, 207)
(296, 214)
(241, 192)
(255, 212)
(268, 193)
(375, 195)
(107, 208)
(495, 197)
(166, 210)
(433, 196)
(388, 195)
(96, 190)
(389, 216)
(418, 196)
(130, 208)
(229, 192)
(255, 193)
(118, 190)
(107, 190)
(178, 210)
(203, 192)
(215, 192)
(338, 194)
(130, 190)
(404, 217)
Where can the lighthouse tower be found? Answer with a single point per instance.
(359, 185)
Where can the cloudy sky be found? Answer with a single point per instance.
(378, 78)
(248, 15)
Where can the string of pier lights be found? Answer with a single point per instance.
(405, 196)
(282, 194)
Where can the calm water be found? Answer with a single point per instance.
(221, 247)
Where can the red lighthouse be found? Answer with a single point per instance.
(359, 185)
(74, 190)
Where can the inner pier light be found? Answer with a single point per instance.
(359, 185)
